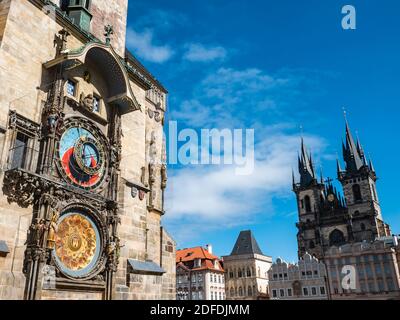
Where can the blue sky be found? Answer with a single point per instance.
(272, 66)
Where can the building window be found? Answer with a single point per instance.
(20, 151)
(357, 192)
(232, 292)
(282, 293)
(312, 245)
(336, 238)
(307, 201)
(289, 292)
(249, 292)
(314, 291)
(240, 273)
(71, 88)
(248, 272)
(275, 276)
(322, 290)
(274, 293)
(240, 291)
(363, 227)
(305, 292)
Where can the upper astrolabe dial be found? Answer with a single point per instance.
(82, 156)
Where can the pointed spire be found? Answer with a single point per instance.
(293, 179)
(351, 152)
(306, 170)
(371, 165)
(322, 175)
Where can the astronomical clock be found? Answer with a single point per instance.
(74, 188)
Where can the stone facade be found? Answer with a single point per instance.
(375, 269)
(246, 270)
(305, 280)
(81, 80)
(199, 275)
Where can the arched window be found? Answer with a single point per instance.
(249, 292)
(363, 228)
(232, 292)
(336, 238)
(248, 272)
(307, 201)
(312, 244)
(357, 192)
(240, 292)
(231, 273)
(240, 273)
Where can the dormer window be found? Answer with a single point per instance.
(197, 263)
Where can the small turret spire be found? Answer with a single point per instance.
(352, 152)
(306, 169)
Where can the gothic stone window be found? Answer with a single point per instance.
(307, 201)
(336, 238)
(357, 193)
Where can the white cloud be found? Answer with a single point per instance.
(227, 97)
(142, 44)
(196, 52)
(218, 195)
(247, 98)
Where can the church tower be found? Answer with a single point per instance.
(310, 194)
(359, 186)
(326, 218)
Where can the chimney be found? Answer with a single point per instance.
(209, 248)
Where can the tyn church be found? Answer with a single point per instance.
(326, 219)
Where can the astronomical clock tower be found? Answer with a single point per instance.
(83, 168)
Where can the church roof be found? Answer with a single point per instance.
(246, 244)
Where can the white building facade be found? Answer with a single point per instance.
(305, 280)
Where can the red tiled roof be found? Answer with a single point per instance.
(186, 256)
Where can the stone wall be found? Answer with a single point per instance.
(114, 13)
(4, 8)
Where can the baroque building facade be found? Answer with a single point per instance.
(326, 219)
(375, 266)
(82, 157)
(305, 280)
(199, 275)
(246, 270)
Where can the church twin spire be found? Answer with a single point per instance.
(353, 155)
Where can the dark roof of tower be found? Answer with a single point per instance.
(352, 153)
(306, 167)
(246, 244)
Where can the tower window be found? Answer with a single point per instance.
(336, 238)
(357, 192)
(362, 227)
(312, 244)
(307, 201)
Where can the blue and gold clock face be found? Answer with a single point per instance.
(82, 155)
